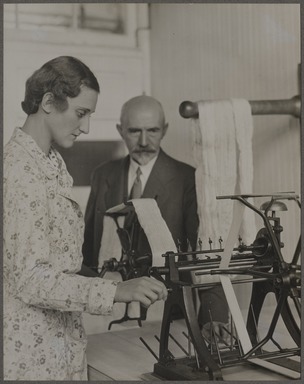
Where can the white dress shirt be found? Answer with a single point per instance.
(145, 169)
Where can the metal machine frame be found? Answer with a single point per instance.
(262, 265)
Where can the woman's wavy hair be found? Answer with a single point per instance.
(63, 77)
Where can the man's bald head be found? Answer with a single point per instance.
(142, 127)
(140, 104)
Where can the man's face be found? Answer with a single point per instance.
(66, 126)
(142, 129)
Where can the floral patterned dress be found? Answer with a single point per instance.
(44, 298)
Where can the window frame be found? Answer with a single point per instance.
(78, 37)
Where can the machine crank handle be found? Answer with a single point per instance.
(102, 272)
(111, 265)
(153, 272)
(131, 263)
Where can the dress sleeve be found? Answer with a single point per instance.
(31, 275)
(88, 244)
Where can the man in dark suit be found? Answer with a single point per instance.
(171, 182)
(142, 127)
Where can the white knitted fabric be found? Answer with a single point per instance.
(222, 147)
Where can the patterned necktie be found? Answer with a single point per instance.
(136, 190)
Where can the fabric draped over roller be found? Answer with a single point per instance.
(222, 147)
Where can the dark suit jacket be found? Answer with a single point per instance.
(171, 182)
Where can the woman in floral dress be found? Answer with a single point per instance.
(44, 297)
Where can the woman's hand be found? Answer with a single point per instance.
(146, 290)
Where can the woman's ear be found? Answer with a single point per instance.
(47, 102)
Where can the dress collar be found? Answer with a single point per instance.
(51, 165)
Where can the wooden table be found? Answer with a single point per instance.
(119, 355)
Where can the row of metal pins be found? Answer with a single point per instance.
(210, 241)
(199, 244)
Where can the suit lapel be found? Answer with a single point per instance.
(160, 176)
(117, 184)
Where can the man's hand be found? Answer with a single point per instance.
(146, 290)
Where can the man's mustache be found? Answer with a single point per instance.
(146, 150)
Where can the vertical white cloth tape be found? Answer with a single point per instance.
(156, 230)
(237, 217)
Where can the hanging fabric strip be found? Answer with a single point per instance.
(110, 243)
(156, 230)
(158, 235)
(222, 147)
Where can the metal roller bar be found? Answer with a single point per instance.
(206, 264)
(188, 109)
